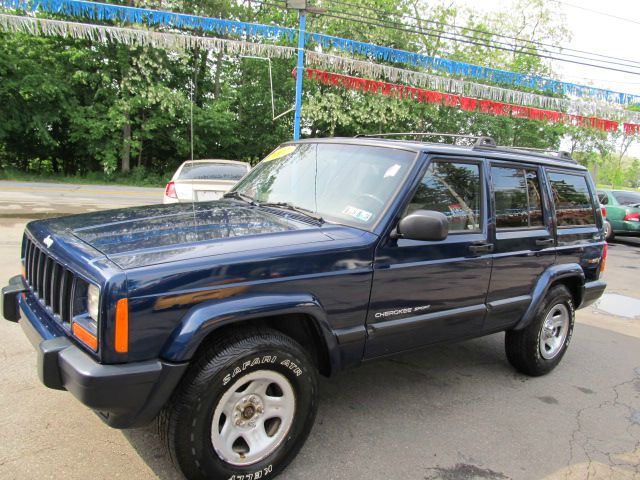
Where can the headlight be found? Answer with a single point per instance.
(93, 301)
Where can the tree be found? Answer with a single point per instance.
(632, 174)
(77, 106)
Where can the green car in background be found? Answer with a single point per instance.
(623, 212)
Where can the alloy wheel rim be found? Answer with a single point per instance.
(253, 417)
(554, 331)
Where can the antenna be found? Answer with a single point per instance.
(191, 126)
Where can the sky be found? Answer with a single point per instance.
(593, 32)
(609, 27)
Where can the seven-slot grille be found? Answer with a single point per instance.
(49, 280)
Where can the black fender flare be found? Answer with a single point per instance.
(205, 318)
(550, 276)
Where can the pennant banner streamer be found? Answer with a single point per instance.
(450, 100)
(631, 128)
(101, 11)
(470, 89)
(130, 36)
(111, 12)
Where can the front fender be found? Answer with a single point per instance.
(544, 282)
(207, 317)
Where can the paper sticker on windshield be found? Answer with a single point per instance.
(357, 213)
(280, 152)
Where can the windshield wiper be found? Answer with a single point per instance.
(293, 208)
(240, 196)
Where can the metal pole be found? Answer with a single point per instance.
(299, 75)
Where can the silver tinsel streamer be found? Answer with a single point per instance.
(475, 90)
(130, 36)
(173, 41)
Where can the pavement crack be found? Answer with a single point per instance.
(581, 439)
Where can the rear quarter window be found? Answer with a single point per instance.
(572, 199)
(603, 198)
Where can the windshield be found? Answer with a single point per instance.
(350, 184)
(627, 198)
(212, 171)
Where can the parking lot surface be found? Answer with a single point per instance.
(40, 200)
(451, 412)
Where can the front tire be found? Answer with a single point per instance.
(538, 348)
(245, 408)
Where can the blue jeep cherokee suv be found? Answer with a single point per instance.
(217, 317)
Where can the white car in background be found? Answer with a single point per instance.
(204, 180)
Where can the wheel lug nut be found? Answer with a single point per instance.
(252, 399)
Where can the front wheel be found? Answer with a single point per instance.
(538, 348)
(244, 409)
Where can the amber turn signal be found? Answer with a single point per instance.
(122, 326)
(85, 336)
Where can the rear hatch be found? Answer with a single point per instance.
(206, 180)
(202, 190)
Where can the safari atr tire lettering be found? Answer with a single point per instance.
(523, 347)
(185, 424)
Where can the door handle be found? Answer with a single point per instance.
(545, 242)
(480, 247)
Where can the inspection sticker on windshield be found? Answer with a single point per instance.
(357, 213)
(280, 152)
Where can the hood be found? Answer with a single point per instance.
(154, 234)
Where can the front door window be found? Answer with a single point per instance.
(453, 189)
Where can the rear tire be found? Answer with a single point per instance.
(244, 408)
(538, 348)
(608, 231)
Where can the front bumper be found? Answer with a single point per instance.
(10, 294)
(124, 395)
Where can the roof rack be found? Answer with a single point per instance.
(559, 154)
(480, 141)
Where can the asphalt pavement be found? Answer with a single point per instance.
(451, 412)
(41, 200)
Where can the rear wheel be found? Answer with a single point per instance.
(608, 231)
(245, 408)
(539, 347)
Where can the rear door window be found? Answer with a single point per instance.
(572, 199)
(517, 197)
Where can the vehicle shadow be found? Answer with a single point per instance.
(146, 442)
(376, 386)
(628, 241)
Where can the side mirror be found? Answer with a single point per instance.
(426, 225)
